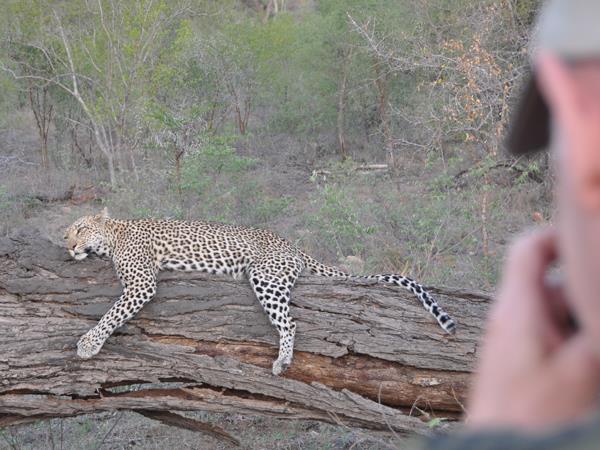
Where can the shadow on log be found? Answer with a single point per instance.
(366, 354)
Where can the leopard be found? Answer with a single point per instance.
(141, 248)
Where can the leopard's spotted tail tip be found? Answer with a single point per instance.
(450, 327)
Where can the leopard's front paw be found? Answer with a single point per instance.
(89, 345)
(280, 366)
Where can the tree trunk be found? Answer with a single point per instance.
(42, 112)
(366, 354)
(179, 152)
(381, 83)
(102, 138)
(341, 106)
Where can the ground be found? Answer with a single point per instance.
(127, 430)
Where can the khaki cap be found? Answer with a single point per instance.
(571, 30)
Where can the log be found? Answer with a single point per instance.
(366, 354)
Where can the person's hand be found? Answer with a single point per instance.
(573, 95)
(535, 371)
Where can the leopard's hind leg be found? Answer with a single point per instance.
(272, 280)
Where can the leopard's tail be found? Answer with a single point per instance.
(426, 299)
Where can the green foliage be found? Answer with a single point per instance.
(337, 219)
(142, 212)
(225, 186)
(8, 99)
(525, 10)
(212, 165)
(108, 61)
(257, 206)
(436, 422)
(531, 170)
(175, 128)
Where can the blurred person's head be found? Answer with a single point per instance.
(560, 110)
(570, 30)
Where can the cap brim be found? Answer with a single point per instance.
(529, 129)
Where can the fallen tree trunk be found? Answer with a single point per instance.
(366, 354)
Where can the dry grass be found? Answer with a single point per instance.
(128, 430)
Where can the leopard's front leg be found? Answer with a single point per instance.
(138, 291)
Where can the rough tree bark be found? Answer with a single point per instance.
(365, 353)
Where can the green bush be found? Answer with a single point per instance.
(225, 186)
(338, 220)
(206, 170)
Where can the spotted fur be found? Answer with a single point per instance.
(139, 249)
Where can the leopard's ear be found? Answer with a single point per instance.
(103, 214)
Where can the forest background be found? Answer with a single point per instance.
(367, 132)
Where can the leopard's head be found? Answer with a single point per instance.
(88, 235)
